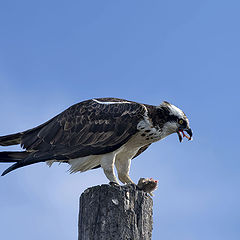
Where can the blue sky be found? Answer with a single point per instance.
(57, 53)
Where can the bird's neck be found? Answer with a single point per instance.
(158, 115)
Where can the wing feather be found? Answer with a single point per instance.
(86, 128)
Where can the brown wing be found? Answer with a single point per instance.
(86, 128)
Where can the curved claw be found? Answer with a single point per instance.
(114, 184)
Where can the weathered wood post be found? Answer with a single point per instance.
(115, 213)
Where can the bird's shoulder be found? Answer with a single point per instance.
(100, 121)
(101, 108)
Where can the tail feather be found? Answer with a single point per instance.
(12, 139)
(12, 156)
(19, 164)
(21, 159)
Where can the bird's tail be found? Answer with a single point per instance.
(13, 157)
(10, 157)
(12, 139)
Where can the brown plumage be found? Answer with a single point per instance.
(86, 128)
(111, 128)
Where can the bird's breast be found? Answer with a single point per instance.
(147, 133)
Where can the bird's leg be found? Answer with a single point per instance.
(123, 168)
(107, 163)
(125, 179)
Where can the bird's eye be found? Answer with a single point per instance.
(180, 121)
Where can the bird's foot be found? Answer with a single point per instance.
(131, 184)
(114, 184)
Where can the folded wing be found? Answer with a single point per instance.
(86, 128)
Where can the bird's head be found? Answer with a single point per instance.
(175, 121)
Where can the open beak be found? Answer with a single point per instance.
(189, 132)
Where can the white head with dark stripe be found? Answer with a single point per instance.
(175, 121)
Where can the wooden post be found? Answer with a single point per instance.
(115, 213)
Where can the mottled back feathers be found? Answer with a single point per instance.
(86, 128)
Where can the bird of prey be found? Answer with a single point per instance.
(100, 132)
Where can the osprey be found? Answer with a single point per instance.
(96, 133)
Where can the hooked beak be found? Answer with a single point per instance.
(189, 132)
